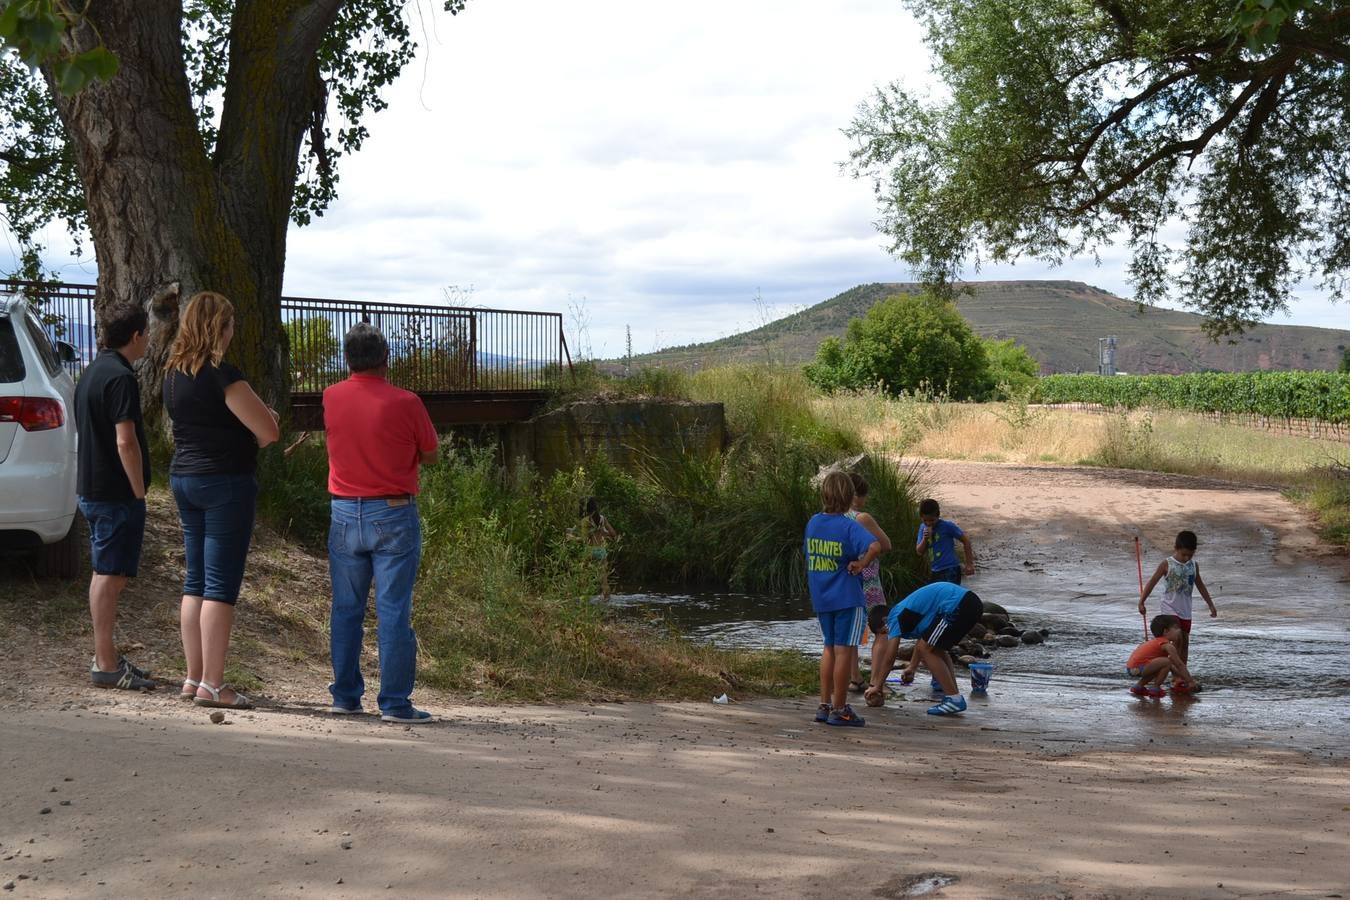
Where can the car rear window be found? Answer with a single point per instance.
(50, 360)
(11, 361)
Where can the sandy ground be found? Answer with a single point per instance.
(105, 794)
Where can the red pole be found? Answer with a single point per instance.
(1139, 564)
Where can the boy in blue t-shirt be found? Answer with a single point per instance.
(837, 550)
(937, 540)
(937, 616)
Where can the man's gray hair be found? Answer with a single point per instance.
(365, 347)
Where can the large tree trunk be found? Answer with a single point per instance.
(163, 213)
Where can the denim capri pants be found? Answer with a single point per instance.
(217, 516)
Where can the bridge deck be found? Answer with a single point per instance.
(445, 407)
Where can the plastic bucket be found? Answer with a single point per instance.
(980, 675)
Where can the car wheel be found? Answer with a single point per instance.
(62, 559)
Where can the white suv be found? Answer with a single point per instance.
(37, 443)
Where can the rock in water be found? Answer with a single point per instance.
(1032, 637)
(994, 621)
(1007, 640)
(991, 607)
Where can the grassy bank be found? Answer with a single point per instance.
(504, 603)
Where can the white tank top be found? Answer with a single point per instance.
(1177, 585)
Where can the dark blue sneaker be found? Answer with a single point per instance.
(949, 706)
(846, 717)
(125, 677)
(409, 717)
(823, 712)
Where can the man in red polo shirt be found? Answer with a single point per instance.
(378, 436)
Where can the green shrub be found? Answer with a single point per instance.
(293, 494)
(905, 344)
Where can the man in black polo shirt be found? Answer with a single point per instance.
(113, 473)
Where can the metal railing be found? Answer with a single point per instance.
(431, 348)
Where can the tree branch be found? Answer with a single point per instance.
(1265, 106)
(1323, 46)
(1195, 146)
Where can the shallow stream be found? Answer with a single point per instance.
(1277, 676)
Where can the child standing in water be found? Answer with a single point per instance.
(596, 531)
(874, 598)
(1179, 574)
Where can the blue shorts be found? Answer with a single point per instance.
(842, 627)
(116, 532)
(952, 575)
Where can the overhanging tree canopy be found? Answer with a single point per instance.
(1068, 124)
(220, 122)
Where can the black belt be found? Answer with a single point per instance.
(378, 497)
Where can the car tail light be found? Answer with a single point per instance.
(33, 413)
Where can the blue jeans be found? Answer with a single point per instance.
(217, 516)
(372, 539)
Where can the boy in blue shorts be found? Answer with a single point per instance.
(837, 550)
(936, 616)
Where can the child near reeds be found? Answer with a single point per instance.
(1153, 660)
(874, 597)
(837, 550)
(937, 540)
(594, 529)
(1179, 574)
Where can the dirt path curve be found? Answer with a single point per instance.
(106, 795)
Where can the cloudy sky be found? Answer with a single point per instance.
(668, 167)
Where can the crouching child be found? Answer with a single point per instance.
(1153, 660)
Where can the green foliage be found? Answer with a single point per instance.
(1012, 369)
(34, 28)
(1323, 396)
(361, 54)
(1065, 126)
(315, 354)
(1345, 362)
(1327, 491)
(737, 520)
(905, 344)
(294, 491)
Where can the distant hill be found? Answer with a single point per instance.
(1058, 322)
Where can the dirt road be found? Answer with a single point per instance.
(116, 795)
